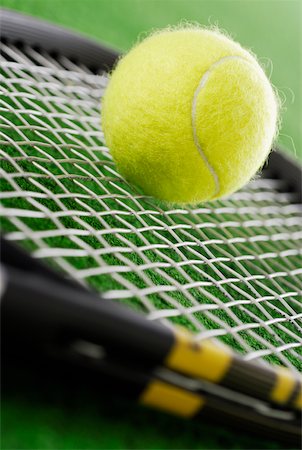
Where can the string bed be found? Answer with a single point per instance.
(229, 270)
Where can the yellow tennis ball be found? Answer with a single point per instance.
(189, 115)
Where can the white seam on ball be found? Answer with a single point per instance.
(200, 86)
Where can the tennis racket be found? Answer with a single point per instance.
(198, 309)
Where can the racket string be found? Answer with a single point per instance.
(228, 270)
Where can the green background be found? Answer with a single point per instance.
(39, 415)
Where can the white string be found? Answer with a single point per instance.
(229, 269)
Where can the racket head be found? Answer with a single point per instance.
(204, 231)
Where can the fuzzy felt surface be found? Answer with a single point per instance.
(176, 145)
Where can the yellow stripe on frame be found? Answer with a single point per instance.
(204, 360)
(284, 386)
(171, 399)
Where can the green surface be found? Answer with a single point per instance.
(37, 416)
(51, 418)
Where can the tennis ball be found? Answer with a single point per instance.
(189, 115)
